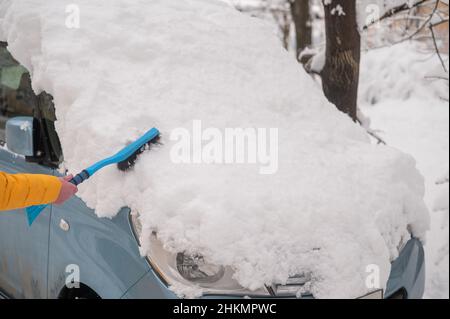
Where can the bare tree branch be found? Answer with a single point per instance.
(426, 23)
(396, 10)
(437, 48)
(372, 133)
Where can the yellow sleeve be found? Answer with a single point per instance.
(24, 190)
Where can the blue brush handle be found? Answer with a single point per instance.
(34, 211)
(80, 178)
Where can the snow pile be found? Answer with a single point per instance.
(337, 203)
(402, 72)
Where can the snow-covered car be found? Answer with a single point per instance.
(70, 243)
(338, 217)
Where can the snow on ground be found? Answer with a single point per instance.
(403, 96)
(337, 203)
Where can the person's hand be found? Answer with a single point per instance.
(67, 190)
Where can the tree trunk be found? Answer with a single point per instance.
(302, 20)
(340, 76)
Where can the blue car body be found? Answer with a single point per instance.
(36, 261)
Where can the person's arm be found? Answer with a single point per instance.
(24, 190)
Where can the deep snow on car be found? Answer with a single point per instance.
(335, 197)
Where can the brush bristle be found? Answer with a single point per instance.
(131, 161)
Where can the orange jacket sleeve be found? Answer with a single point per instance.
(23, 190)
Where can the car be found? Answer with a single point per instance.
(71, 253)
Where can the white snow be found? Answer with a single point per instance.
(318, 59)
(403, 92)
(415, 75)
(338, 10)
(336, 205)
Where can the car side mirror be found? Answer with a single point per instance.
(20, 135)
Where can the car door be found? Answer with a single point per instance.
(23, 249)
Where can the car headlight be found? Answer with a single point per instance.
(195, 271)
(191, 270)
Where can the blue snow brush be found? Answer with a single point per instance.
(125, 159)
